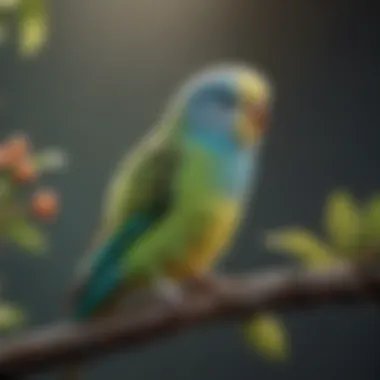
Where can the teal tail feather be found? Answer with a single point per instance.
(107, 273)
(105, 276)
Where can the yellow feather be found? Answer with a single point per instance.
(211, 243)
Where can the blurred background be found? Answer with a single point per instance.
(101, 81)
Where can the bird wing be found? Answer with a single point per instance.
(138, 197)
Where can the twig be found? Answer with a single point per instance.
(230, 298)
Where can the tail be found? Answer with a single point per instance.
(72, 372)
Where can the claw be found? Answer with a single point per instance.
(169, 291)
(204, 283)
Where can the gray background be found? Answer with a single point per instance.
(103, 80)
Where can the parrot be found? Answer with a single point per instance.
(176, 201)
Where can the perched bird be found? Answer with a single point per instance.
(176, 201)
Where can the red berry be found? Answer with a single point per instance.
(45, 204)
(25, 172)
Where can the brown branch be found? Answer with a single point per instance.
(231, 298)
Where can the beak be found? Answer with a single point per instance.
(253, 124)
(259, 117)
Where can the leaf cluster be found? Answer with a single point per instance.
(351, 232)
(20, 168)
(32, 25)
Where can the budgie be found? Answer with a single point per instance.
(176, 201)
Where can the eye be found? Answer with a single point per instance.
(219, 109)
(220, 106)
(225, 100)
(214, 106)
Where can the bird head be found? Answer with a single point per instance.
(226, 105)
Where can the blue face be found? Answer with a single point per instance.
(211, 112)
(223, 114)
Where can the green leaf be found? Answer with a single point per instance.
(27, 236)
(371, 222)
(6, 9)
(303, 245)
(9, 5)
(50, 160)
(4, 31)
(9, 208)
(33, 27)
(268, 336)
(343, 222)
(6, 188)
(11, 316)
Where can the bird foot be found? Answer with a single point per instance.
(169, 292)
(204, 283)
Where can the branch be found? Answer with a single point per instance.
(231, 298)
